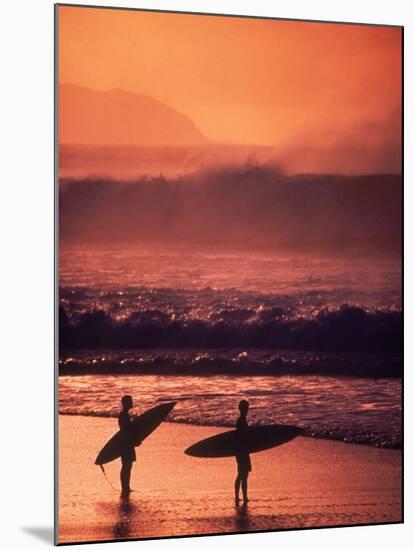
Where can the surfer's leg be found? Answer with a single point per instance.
(244, 486)
(237, 488)
(122, 476)
(126, 475)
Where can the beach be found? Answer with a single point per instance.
(308, 482)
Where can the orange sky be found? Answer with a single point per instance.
(244, 80)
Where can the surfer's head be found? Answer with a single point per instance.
(126, 402)
(243, 406)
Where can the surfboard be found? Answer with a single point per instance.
(142, 426)
(254, 440)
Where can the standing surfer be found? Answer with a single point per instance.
(244, 465)
(128, 455)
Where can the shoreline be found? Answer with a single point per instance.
(305, 483)
(230, 426)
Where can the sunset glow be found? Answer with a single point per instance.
(303, 87)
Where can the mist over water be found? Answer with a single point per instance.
(252, 206)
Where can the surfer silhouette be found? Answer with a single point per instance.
(128, 456)
(244, 465)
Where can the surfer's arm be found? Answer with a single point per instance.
(125, 425)
(124, 422)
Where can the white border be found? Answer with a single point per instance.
(26, 307)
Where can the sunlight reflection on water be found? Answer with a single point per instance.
(351, 409)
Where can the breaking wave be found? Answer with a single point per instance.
(343, 329)
(252, 205)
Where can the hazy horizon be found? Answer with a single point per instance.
(117, 120)
(325, 97)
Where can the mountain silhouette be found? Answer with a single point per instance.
(118, 117)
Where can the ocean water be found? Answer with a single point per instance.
(312, 340)
(350, 409)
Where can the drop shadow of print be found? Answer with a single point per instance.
(42, 533)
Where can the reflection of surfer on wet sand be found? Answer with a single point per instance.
(122, 528)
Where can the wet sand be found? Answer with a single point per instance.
(306, 483)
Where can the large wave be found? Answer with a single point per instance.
(253, 205)
(344, 329)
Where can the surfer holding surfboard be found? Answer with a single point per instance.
(128, 456)
(132, 433)
(244, 465)
(241, 442)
